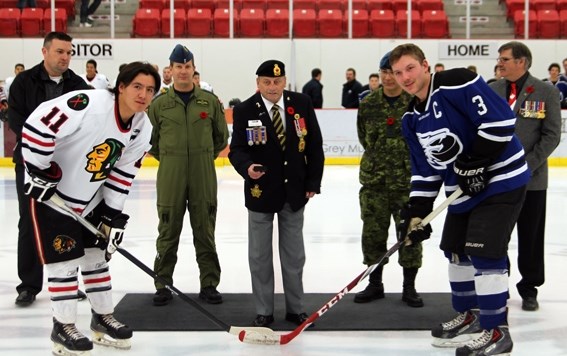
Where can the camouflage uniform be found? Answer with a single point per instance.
(384, 175)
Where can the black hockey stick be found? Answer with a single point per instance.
(235, 330)
(266, 338)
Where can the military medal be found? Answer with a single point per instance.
(301, 146)
(256, 191)
(250, 135)
(263, 135)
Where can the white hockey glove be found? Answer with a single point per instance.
(113, 229)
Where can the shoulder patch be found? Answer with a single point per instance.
(78, 102)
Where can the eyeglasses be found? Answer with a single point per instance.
(503, 59)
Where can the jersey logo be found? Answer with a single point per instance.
(78, 102)
(102, 158)
(441, 147)
(62, 244)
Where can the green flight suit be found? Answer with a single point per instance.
(186, 140)
(384, 174)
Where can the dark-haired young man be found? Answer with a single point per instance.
(87, 147)
(45, 81)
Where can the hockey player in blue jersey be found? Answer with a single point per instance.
(461, 134)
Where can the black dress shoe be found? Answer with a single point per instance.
(263, 320)
(81, 295)
(530, 304)
(162, 297)
(25, 298)
(297, 319)
(210, 295)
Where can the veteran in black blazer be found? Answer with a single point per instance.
(538, 126)
(277, 148)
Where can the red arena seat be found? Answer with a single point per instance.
(304, 4)
(304, 23)
(561, 5)
(402, 23)
(225, 4)
(179, 21)
(330, 4)
(519, 20)
(277, 23)
(382, 24)
(31, 22)
(516, 5)
(278, 4)
(152, 4)
(563, 22)
(330, 23)
(544, 4)
(398, 5)
(548, 23)
(430, 5)
(10, 22)
(359, 23)
(199, 22)
(254, 4)
(434, 24)
(379, 5)
(146, 23)
(60, 20)
(203, 4)
(221, 22)
(251, 22)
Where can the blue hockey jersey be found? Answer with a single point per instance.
(461, 108)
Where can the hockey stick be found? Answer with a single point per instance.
(235, 330)
(264, 338)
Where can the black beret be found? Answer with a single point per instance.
(385, 61)
(271, 68)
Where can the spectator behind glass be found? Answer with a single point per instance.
(314, 88)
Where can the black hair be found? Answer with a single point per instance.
(61, 36)
(315, 73)
(131, 71)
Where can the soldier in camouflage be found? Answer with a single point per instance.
(385, 178)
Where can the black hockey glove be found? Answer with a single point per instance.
(113, 229)
(43, 183)
(472, 173)
(410, 226)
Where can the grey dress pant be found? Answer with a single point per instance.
(292, 257)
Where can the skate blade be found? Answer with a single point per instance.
(105, 340)
(60, 350)
(457, 341)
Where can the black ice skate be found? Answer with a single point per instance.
(457, 332)
(108, 331)
(491, 342)
(68, 341)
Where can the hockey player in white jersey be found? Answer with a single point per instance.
(87, 147)
(93, 78)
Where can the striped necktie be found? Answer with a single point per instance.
(278, 125)
(513, 94)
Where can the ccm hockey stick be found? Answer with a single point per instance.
(267, 338)
(235, 330)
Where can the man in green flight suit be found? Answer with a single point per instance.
(189, 132)
(385, 178)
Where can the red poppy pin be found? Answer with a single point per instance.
(203, 115)
(290, 110)
(530, 89)
(390, 121)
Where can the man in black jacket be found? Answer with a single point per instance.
(314, 89)
(278, 149)
(351, 89)
(47, 80)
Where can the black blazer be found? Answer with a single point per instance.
(290, 173)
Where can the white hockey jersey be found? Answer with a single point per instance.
(100, 81)
(99, 155)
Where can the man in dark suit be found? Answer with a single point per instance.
(538, 125)
(277, 148)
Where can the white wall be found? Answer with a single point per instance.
(229, 65)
